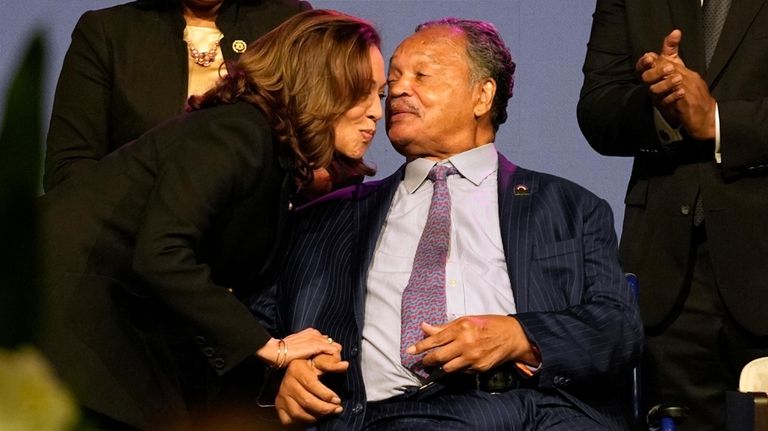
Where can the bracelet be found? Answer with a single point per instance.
(282, 352)
(285, 353)
(281, 360)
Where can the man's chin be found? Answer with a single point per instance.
(400, 133)
(400, 144)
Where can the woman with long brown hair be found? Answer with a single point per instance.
(149, 252)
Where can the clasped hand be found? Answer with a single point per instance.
(467, 344)
(680, 94)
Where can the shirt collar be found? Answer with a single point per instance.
(475, 165)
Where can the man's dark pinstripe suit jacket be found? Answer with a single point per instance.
(561, 254)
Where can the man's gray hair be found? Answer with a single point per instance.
(488, 57)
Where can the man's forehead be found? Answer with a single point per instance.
(431, 44)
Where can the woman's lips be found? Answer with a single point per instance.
(368, 134)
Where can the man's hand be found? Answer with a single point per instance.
(475, 343)
(662, 74)
(302, 398)
(695, 106)
(679, 93)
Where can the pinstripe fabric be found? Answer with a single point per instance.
(511, 411)
(562, 261)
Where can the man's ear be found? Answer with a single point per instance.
(486, 89)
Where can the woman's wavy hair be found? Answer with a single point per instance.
(304, 75)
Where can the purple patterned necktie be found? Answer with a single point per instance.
(424, 296)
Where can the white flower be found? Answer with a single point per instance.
(31, 397)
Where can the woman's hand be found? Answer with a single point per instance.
(301, 345)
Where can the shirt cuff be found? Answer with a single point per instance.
(529, 370)
(666, 133)
(718, 156)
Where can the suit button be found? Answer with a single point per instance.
(208, 351)
(199, 340)
(353, 351)
(562, 381)
(230, 290)
(685, 210)
(357, 409)
(218, 363)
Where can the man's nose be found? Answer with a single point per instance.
(398, 87)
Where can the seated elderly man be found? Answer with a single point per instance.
(468, 292)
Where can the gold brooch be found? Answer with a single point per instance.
(239, 46)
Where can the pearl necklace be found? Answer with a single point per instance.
(199, 35)
(203, 59)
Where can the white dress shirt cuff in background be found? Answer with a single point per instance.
(718, 156)
(666, 133)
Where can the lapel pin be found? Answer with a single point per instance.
(239, 46)
(521, 190)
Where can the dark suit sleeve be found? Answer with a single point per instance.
(743, 135)
(614, 111)
(220, 164)
(599, 336)
(78, 132)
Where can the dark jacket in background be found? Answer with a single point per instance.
(126, 71)
(616, 116)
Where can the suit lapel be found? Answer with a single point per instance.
(372, 205)
(516, 189)
(740, 18)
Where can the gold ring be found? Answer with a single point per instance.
(330, 340)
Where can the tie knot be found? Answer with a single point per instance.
(440, 172)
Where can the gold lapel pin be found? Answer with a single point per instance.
(521, 190)
(239, 46)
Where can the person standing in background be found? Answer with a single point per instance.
(680, 86)
(132, 66)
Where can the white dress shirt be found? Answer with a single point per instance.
(476, 273)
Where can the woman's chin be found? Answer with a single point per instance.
(356, 152)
